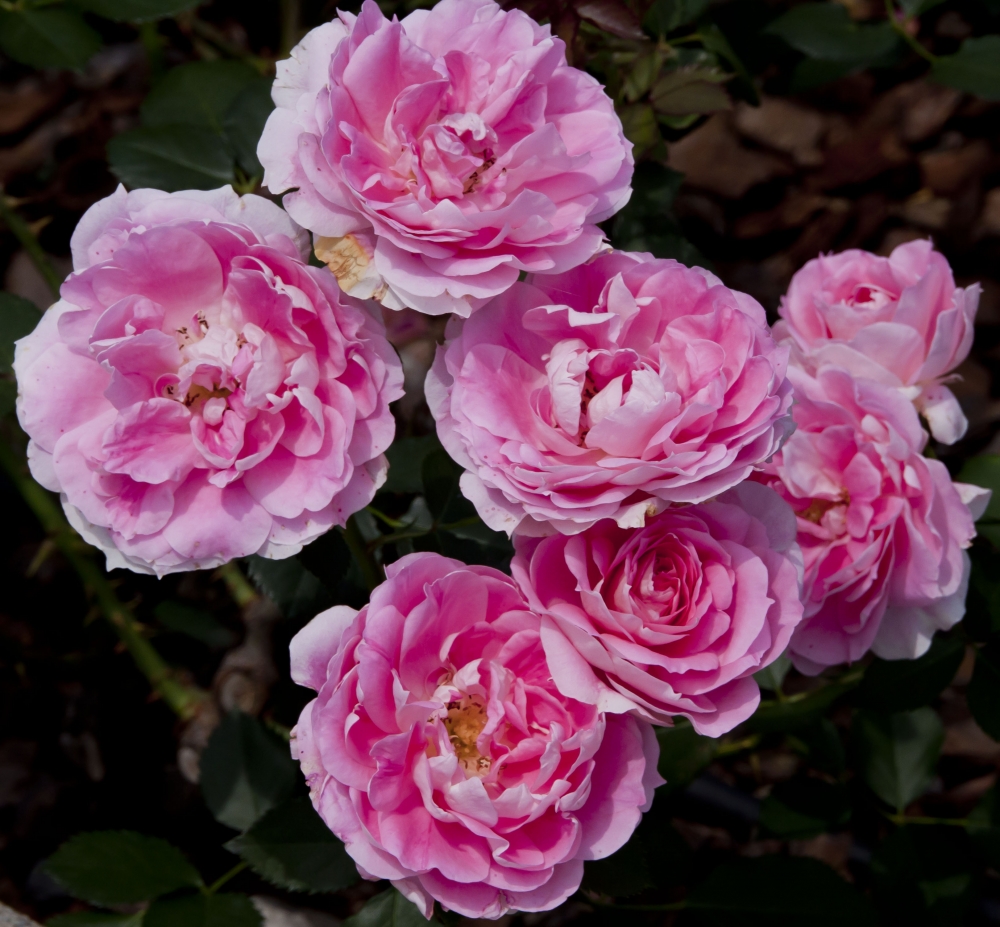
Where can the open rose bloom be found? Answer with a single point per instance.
(899, 320)
(883, 530)
(438, 157)
(440, 751)
(673, 618)
(608, 392)
(199, 393)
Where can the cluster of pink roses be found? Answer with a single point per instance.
(690, 494)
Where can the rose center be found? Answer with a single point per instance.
(464, 722)
(817, 508)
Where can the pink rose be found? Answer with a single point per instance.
(882, 529)
(440, 156)
(608, 392)
(673, 618)
(199, 393)
(442, 754)
(899, 320)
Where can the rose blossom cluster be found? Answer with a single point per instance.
(882, 528)
(689, 493)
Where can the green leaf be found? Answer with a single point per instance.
(683, 753)
(902, 685)
(984, 471)
(406, 458)
(47, 38)
(983, 693)
(18, 317)
(171, 158)
(328, 559)
(984, 826)
(690, 90)
(95, 919)
(975, 68)
(440, 475)
(227, 910)
(292, 848)
(295, 590)
(120, 867)
(245, 771)
(198, 94)
(773, 675)
(918, 7)
(621, 874)
(811, 73)
(244, 123)
(805, 807)
(390, 909)
(800, 711)
(666, 15)
(826, 31)
(897, 753)
(821, 741)
(923, 874)
(641, 127)
(195, 622)
(136, 11)
(778, 890)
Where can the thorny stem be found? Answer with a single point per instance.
(240, 590)
(182, 697)
(900, 30)
(29, 242)
(370, 568)
(901, 819)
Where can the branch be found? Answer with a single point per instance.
(183, 698)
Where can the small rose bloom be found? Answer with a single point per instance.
(438, 157)
(899, 320)
(199, 393)
(607, 392)
(673, 618)
(440, 751)
(883, 530)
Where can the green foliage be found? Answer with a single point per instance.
(18, 317)
(903, 685)
(96, 919)
(773, 675)
(770, 890)
(683, 754)
(664, 16)
(621, 874)
(984, 690)
(984, 471)
(390, 909)
(199, 124)
(923, 875)
(805, 807)
(406, 459)
(296, 590)
(228, 910)
(195, 622)
(171, 158)
(896, 753)
(136, 11)
(47, 38)
(120, 867)
(975, 68)
(825, 31)
(291, 847)
(245, 771)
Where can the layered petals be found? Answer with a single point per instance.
(608, 392)
(199, 393)
(439, 749)
(437, 157)
(673, 618)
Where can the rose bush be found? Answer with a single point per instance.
(899, 320)
(439, 156)
(199, 393)
(673, 618)
(883, 530)
(442, 754)
(607, 392)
